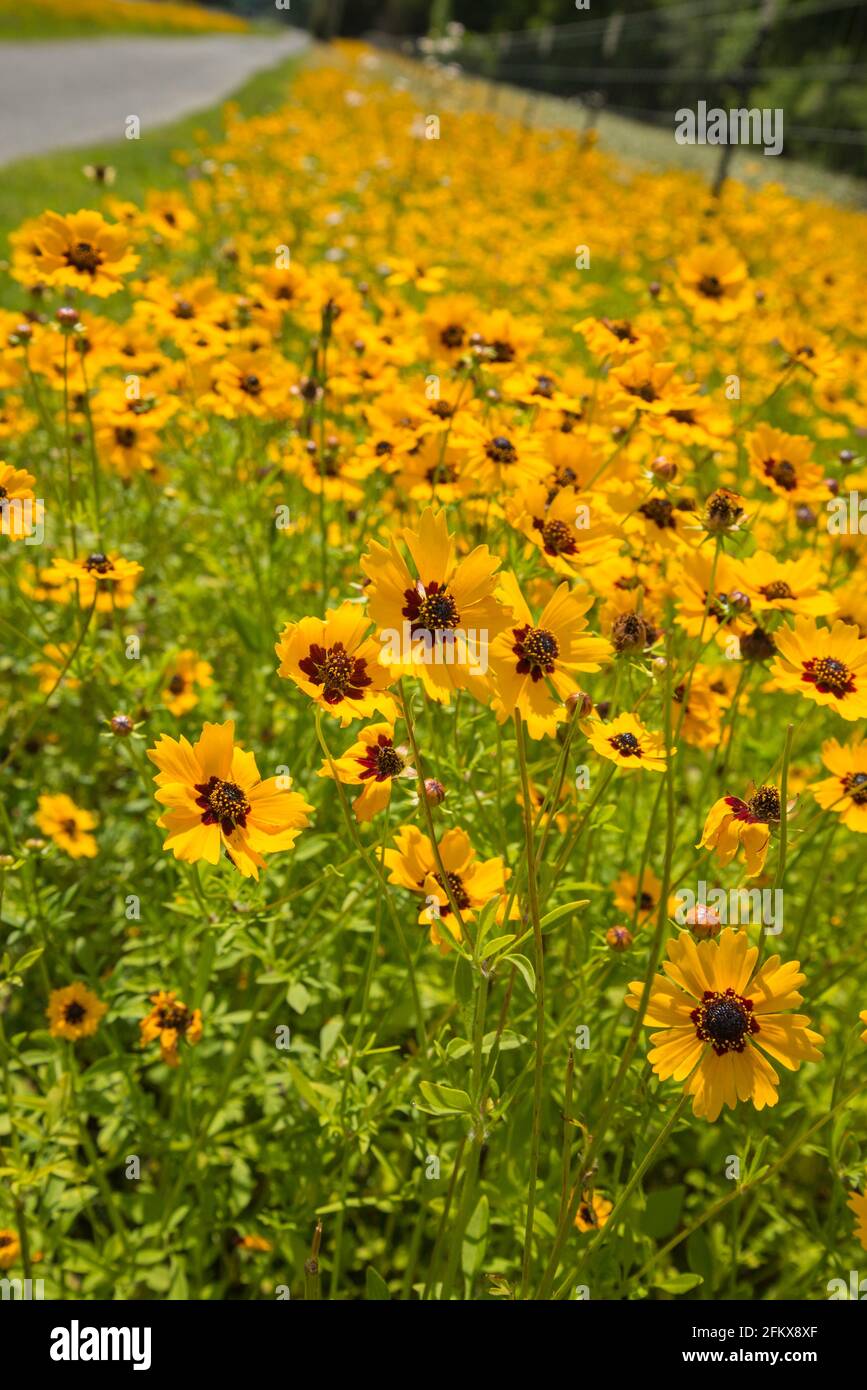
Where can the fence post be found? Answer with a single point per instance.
(743, 85)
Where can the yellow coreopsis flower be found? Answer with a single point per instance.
(67, 825)
(732, 823)
(74, 1012)
(720, 1023)
(472, 882)
(437, 620)
(184, 678)
(337, 664)
(215, 799)
(105, 580)
(845, 791)
(593, 1212)
(169, 1021)
(626, 742)
(83, 251)
(826, 665)
(533, 662)
(374, 762)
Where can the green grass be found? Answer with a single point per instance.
(56, 181)
(36, 20)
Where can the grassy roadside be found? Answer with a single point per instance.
(56, 181)
(67, 19)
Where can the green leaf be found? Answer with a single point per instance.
(376, 1287)
(298, 998)
(678, 1283)
(302, 1085)
(699, 1257)
(445, 1100)
(24, 962)
(485, 922)
(463, 980)
(559, 912)
(662, 1212)
(526, 969)
(329, 1033)
(499, 942)
(475, 1239)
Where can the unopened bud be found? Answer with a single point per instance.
(435, 792)
(703, 921)
(580, 702)
(619, 938)
(664, 468)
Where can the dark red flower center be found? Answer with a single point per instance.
(222, 803)
(430, 608)
(724, 1020)
(557, 538)
(537, 650)
(381, 761)
(782, 473)
(341, 676)
(626, 745)
(84, 257)
(779, 589)
(174, 1016)
(501, 450)
(855, 786)
(660, 511)
(829, 676)
(458, 891)
(710, 287)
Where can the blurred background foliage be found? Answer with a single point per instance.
(641, 59)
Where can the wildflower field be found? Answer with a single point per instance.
(434, 786)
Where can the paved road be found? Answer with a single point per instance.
(58, 95)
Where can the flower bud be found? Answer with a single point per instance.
(434, 791)
(579, 702)
(703, 921)
(664, 468)
(619, 938)
(122, 725)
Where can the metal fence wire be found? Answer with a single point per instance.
(808, 59)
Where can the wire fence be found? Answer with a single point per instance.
(807, 59)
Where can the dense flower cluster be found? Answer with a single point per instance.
(536, 493)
